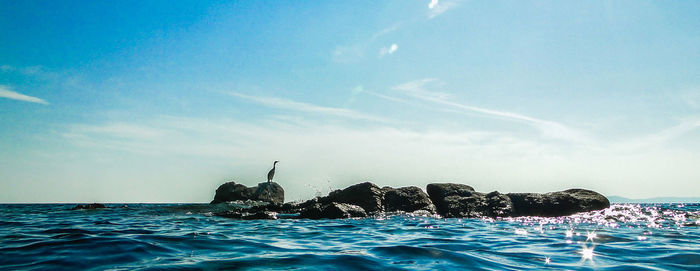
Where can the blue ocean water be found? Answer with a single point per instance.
(188, 237)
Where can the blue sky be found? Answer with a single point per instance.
(162, 101)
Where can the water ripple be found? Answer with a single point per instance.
(185, 237)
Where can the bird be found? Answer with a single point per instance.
(271, 174)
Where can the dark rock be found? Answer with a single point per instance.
(267, 192)
(231, 191)
(386, 189)
(498, 205)
(457, 200)
(407, 199)
(265, 201)
(297, 207)
(260, 215)
(366, 195)
(448, 189)
(247, 214)
(90, 206)
(333, 210)
(561, 203)
(237, 214)
(272, 207)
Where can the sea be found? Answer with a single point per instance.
(190, 237)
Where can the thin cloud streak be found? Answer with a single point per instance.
(548, 128)
(661, 137)
(5, 92)
(384, 32)
(309, 108)
(355, 52)
(315, 154)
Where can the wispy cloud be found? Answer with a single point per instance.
(417, 89)
(120, 130)
(354, 52)
(548, 128)
(659, 138)
(433, 4)
(36, 71)
(312, 153)
(5, 92)
(691, 97)
(388, 50)
(286, 104)
(316, 153)
(436, 7)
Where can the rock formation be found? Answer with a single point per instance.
(91, 206)
(454, 200)
(557, 203)
(333, 210)
(366, 195)
(270, 192)
(445, 199)
(407, 199)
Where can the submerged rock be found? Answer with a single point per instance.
(90, 206)
(247, 215)
(260, 215)
(268, 192)
(333, 210)
(407, 199)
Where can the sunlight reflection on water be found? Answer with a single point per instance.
(188, 237)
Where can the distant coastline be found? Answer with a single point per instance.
(618, 199)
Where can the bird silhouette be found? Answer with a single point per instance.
(271, 174)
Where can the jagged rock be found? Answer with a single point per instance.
(333, 210)
(366, 195)
(561, 203)
(267, 192)
(407, 199)
(90, 206)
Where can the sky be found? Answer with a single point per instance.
(163, 101)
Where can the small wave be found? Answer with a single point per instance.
(149, 236)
